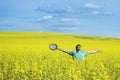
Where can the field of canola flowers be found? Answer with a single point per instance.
(26, 56)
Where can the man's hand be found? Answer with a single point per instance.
(99, 51)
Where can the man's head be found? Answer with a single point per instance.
(78, 47)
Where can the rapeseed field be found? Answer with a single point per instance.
(26, 56)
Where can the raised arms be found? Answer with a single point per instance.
(90, 52)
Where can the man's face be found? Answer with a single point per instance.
(79, 48)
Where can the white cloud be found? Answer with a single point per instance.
(68, 28)
(66, 19)
(101, 13)
(108, 13)
(77, 23)
(47, 17)
(91, 5)
(95, 12)
(69, 9)
(72, 21)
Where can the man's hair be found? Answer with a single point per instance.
(78, 45)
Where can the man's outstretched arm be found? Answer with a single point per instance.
(94, 51)
(66, 51)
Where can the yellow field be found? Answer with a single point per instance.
(26, 56)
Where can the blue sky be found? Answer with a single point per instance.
(89, 17)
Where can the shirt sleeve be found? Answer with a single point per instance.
(71, 53)
(85, 53)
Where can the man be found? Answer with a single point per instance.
(78, 54)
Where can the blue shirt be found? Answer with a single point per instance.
(78, 55)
